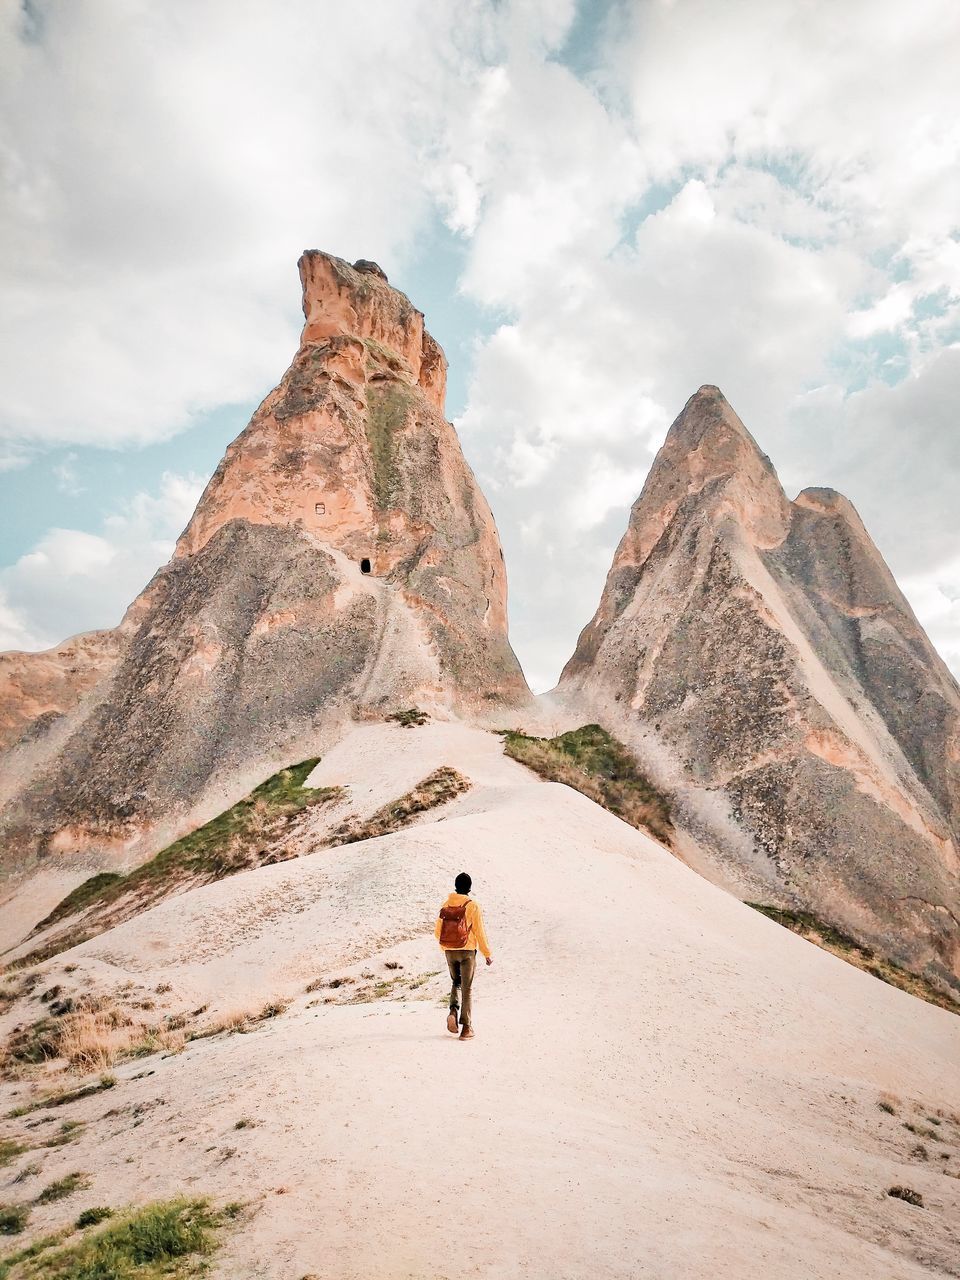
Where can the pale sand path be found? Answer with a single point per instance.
(664, 1083)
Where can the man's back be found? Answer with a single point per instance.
(476, 934)
(460, 932)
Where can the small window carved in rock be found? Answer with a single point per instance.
(320, 509)
(364, 565)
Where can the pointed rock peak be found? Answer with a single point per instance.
(708, 426)
(344, 301)
(708, 449)
(708, 459)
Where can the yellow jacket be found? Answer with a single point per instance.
(476, 937)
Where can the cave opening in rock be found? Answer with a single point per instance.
(364, 565)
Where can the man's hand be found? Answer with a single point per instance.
(489, 959)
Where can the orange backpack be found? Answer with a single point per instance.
(455, 930)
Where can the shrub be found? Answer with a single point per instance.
(62, 1097)
(410, 718)
(145, 1241)
(907, 1194)
(63, 1187)
(93, 1217)
(13, 1218)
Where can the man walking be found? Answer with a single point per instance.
(460, 932)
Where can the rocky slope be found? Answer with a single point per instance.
(758, 653)
(342, 561)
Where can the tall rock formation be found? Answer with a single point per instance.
(759, 654)
(341, 561)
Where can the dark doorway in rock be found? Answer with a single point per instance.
(364, 565)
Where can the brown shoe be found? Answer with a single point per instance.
(466, 1033)
(452, 1022)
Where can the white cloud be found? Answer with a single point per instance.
(935, 597)
(569, 403)
(15, 629)
(74, 581)
(163, 168)
(12, 457)
(761, 195)
(65, 475)
(801, 233)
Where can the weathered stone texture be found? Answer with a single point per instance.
(342, 561)
(40, 687)
(760, 653)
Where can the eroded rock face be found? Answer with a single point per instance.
(37, 688)
(341, 561)
(759, 653)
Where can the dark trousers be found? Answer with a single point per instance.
(462, 966)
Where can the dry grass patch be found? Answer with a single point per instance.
(70, 1131)
(594, 763)
(90, 1041)
(9, 1150)
(390, 988)
(93, 1035)
(63, 1187)
(435, 789)
(15, 987)
(63, 1096)
(922, 1130)
(240, 1021)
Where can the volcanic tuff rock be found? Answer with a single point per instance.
(37, 688)
(342, 560)
(759, 652)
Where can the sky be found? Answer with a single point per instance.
(599, 206)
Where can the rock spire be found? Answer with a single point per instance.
(760, 654)
(341, 562)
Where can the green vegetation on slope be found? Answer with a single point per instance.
(596, 764)
(388, 405)
(9, 1150)
(63, 1187)
(228, 843)
(85, 895)
(167, 1238)
(841, 944)
(409, 717)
